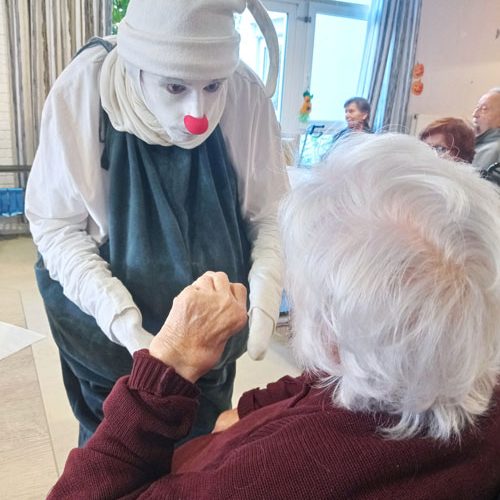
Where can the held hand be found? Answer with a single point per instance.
(203, 317)
(259, 336)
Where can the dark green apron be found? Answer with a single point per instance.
(173, 214)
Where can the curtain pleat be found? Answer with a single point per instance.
(388, 59)
(43, 35)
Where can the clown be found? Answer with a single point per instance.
(159, 159)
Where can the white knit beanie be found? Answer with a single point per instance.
(185, 39)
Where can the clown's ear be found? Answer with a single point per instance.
(265, 24)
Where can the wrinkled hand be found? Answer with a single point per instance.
(226, 419)
(260, 333)
(202, 319)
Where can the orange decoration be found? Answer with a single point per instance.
(418, 70)
(305, 109)
(417, 87)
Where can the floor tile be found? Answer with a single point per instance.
(27, 465)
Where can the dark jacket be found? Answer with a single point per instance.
(347, 131)
(487, 149)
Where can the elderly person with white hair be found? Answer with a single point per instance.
(486, 120)
(394, 276)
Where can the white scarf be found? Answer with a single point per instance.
(125, 108)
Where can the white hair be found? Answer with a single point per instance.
(393, 263)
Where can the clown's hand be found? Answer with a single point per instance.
(261, 327)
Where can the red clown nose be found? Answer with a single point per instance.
(196, 125)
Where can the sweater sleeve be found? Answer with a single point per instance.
(144, 416)
(284, 388)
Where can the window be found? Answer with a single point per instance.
(336, 63)
(321, 47)
(253, 48)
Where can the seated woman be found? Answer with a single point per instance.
(452, 138)
(357, 115)
(394, 278)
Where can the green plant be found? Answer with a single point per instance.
(119, 9)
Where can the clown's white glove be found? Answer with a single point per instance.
(261, 329)
(126, 330)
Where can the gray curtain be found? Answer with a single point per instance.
(388, 59)
(43, 36)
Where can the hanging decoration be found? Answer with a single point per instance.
(417, 86)
(418, 70)
(305, 109)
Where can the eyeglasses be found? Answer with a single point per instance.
(440, 150)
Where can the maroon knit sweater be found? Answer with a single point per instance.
(290, 443)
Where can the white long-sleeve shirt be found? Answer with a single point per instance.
(66, 197)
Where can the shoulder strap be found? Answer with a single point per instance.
(95, 40)
(108, 46)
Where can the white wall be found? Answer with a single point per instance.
(6, 140)
(459, 44)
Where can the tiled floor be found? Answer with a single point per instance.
(36, 424)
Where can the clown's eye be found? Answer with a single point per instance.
(175, 88)
(212, 87)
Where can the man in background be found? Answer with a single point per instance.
(486, 120)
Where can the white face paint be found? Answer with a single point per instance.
(188, 110)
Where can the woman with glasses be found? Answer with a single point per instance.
(452, 138)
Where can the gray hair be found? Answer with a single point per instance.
(393, 262)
